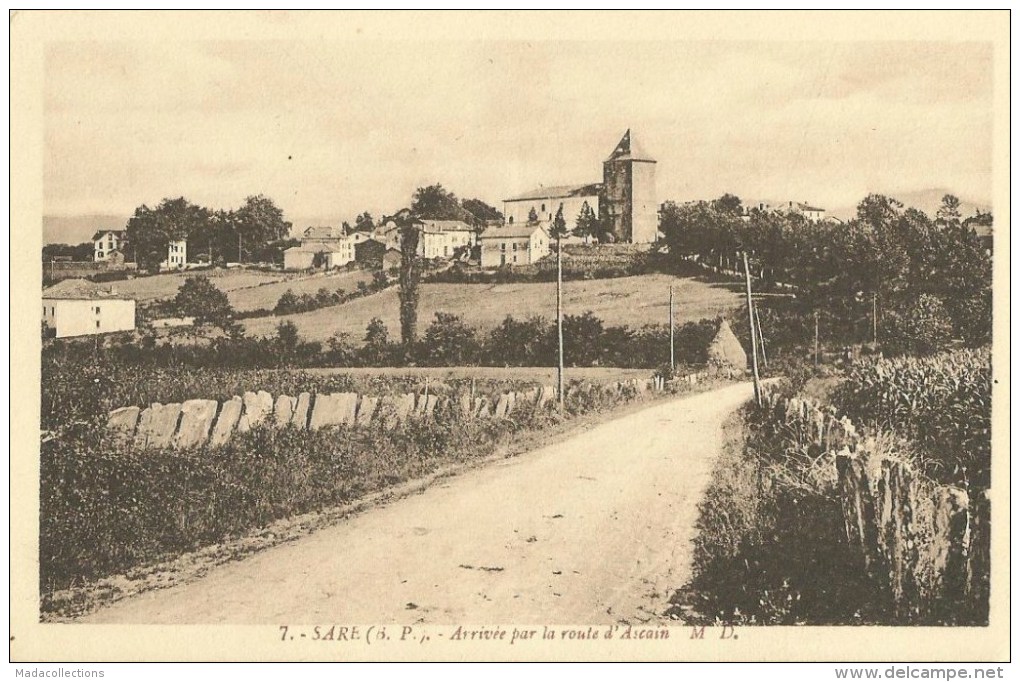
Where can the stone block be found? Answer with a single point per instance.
(283, 410)
(483, 408)
(511, 402)
(419, 405)
(226, 422)
(197, 417)
(302, 410)
(334, 409)
(123, 421)
(257, 408)
(404, 405)
(501, 406)
(430, 405)
(157, 424)
(465, 406)
(366, 410)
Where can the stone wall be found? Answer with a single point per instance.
(196, 423)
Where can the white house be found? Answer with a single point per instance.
(442, 238)
(76, 307)
(513, 245)
(546, 201)
(106, 242)
(176, 255)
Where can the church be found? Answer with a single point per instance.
(625, 201)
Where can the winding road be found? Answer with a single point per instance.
(595, 529)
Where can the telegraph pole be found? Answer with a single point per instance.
(754, 345)
(761, 337)
(816, 338)
(672, 345)
(874, 317)
(559, 317)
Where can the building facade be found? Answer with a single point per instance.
(176, 255)
(77, 307)
(513, 245)
(546, 201)
(106, 242)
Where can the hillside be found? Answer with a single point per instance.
(633, 301)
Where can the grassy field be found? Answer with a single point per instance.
(633, 301)
(266, 295)
(165, 285)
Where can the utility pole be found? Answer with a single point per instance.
(559, 316)
(761, 337)
(240, 254)
(672, 345)
(754, 346)
(874, 317)
(816, 338)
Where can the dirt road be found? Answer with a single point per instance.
(594, 529)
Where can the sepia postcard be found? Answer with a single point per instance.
(510, 336)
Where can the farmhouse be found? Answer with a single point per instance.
(370, 253)
(107, 242)
(320, 246)
(513, 245)
(77, 307)
(442, 238)
(625, 201)
(176, 255)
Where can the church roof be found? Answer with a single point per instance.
(629, 149)
(510, 231)
(560, 192)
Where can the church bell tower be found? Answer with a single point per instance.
(628, 202)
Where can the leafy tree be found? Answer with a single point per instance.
(587, 224)
(919, 326)
(436, 203)
(450, 341)
(259, 221)
(729, 204)
(949, 211)
(150, 230)
(341, 351)
(287, 340)
(582, 339)
(481, 211)
(200, 298)
(364, 222)
(377, 343)
(532, 216)
(77, 252)
(530, 342)
(287, 303)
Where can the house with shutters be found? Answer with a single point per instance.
(513, 245)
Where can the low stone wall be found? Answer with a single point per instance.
(195, 423)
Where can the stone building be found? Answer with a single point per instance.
(628, 203)
(625, 201)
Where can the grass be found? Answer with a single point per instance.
(165, 285)
(537, 375)
(266, 295)
(633, 301)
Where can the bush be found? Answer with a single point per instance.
(918, 326)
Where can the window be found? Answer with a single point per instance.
(99, 254)
(502, 259)
(97, 310)
(97, 324)
(502, 246)
(511, 221)
(543, 208)
(515, 246)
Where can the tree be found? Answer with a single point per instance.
(481, 211)
(377, 342)
(919, 326)
(150, 230)
(450, 341)
(287, 340)
(287, 303)
(587, 224)
(949, 212)
(258, 222)
(584, 337)
(201, 299)
(729, 204)
(436, 203)
(341, 349)
(410, 283)
(532, 216)
(364, 222)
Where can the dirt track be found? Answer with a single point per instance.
(594, 529)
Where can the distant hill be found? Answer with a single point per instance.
(78, 228)
(927, 200)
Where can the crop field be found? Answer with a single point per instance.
(633, 301)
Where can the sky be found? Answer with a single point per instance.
(330, 129)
